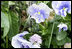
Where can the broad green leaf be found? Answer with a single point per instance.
(5, 23)
(61, 35)
(14, 26)
(2, 19)
(63, 41)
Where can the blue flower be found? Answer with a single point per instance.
(19, 42)
(39, 12)
(62, 26)
(61, 7)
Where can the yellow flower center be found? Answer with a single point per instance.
(64, 8)
(38, 12)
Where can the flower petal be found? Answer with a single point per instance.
(35, 38)
(59, 6)
(16, 40)
(32, 9)
(64, 26)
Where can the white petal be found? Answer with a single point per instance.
(44, 7)
(62, 25)
(15, 42)
(31, 9)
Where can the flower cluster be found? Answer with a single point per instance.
(19, 42)
(62, 26)
(39, 12)
(61, 7)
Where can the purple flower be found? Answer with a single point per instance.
(19, 42)
(61, 7)
(62, 26)
(35, 39)
(39, 12)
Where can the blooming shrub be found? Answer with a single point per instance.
(36, 24)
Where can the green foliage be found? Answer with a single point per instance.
(63, 41)
(5, 23)
(9, 22)
(14, 20)
(61, 35)
(60, 42)
(14, 25)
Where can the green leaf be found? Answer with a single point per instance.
(56, 29)
(4, 6)
(47, 31)
(63, 41)
(2, 19)
(41, 27)
(43, 32)
(55, 42)
(14, 25)
(46, 2)
(11, 3)
(5, 23)
(61, 35)
(47, 41)
(39, 2)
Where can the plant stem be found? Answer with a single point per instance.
(51, 36)
(6, 41)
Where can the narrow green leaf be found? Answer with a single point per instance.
(41, 27)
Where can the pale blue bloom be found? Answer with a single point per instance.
(62, 26)
(61, 7)
(19, 42)
(35, 39)
(18, 39)
(39, 12)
